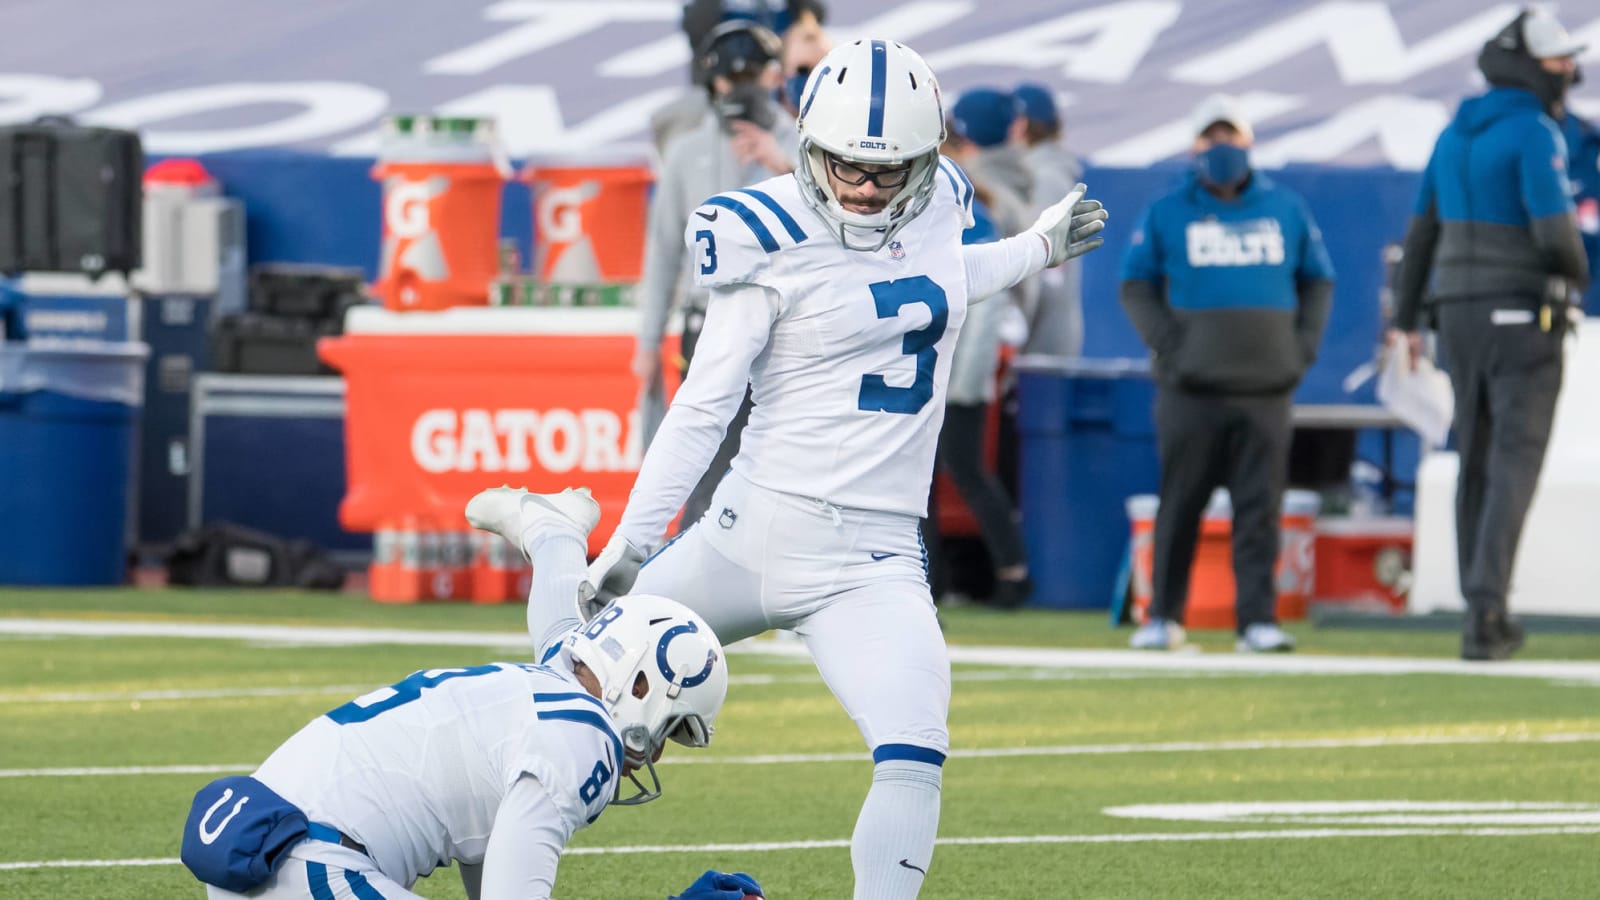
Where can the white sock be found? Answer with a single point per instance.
(893, 843)
(559, 564)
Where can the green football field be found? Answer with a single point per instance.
(1370, 764)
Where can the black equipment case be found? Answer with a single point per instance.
(71, 198)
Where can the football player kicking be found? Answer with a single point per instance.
(492, 766)
(837, 293)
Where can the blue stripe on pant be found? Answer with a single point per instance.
(317, 878)
(358, 884)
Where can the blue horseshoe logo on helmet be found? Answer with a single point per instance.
(666, 668)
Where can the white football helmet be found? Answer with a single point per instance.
(662, 675)
(870, 102)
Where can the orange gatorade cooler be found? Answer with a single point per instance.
(589, 218)
(454, 578)
(1211, 585)
(384, 570)
(442, 180)
(496, 566)
(399, 572)
(1297, 553)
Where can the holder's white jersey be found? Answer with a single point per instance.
(416, 771)
(850, 389)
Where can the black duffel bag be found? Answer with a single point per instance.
(223, 554)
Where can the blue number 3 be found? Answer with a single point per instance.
(876, 394)
(710, 265)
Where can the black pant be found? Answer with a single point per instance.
(961, 455)
(1506, 379)
(700, 498)
(1208, 441)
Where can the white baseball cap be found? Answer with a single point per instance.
(1220, 108)
(1545, 37)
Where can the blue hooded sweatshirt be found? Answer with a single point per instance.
(1495, 217)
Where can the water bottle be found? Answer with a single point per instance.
(1366, 490)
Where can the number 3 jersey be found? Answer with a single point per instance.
(849, 388)
(417, 771)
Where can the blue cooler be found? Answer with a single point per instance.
(1088, 443)
(69, 416)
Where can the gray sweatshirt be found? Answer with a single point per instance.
(697, 164)
(1056, 326)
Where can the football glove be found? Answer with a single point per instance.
(1069, 227)
(610, 576)
(714, 885)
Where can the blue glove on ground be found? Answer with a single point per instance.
(714, 885)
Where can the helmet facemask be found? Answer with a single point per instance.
(640, 747)
(864, 231)
(661, 676)
(871, 102)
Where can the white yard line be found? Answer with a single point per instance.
(87, 771)
(91, 863)
(1025, 657)
(1332, 743)
(190, 694)
(308, 690)
(842, 843)
(1132, 838)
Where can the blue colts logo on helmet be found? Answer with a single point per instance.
(666, 667)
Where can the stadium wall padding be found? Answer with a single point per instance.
(315, 208)
(305, 207)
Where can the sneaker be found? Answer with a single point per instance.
(510, 512)
(1264, 637)
(1158, 634)
(1012, 593)
(1494, 637)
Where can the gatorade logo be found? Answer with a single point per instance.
(518, 440)
(561, 211)
(405, 206)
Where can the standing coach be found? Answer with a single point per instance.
(1495, 228)
(1228, 283)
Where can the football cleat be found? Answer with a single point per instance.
(511, 512)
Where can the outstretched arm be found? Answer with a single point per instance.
(738, 322)
(1063, 231)
(997, 265)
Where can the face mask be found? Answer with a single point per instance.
(1223, 165)
(749, 102)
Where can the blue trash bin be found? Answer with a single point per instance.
(69, 415)
(1088, 443)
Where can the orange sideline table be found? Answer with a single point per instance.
(440, 405)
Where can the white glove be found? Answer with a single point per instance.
(1069, 227)
(610, 576)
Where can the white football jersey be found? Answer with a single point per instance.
(850, 390)
(416, 771)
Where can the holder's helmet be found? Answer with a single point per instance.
(662, 675)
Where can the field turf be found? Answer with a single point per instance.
(1092, 775)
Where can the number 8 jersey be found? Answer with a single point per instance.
(417, 771)
(849, 385)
